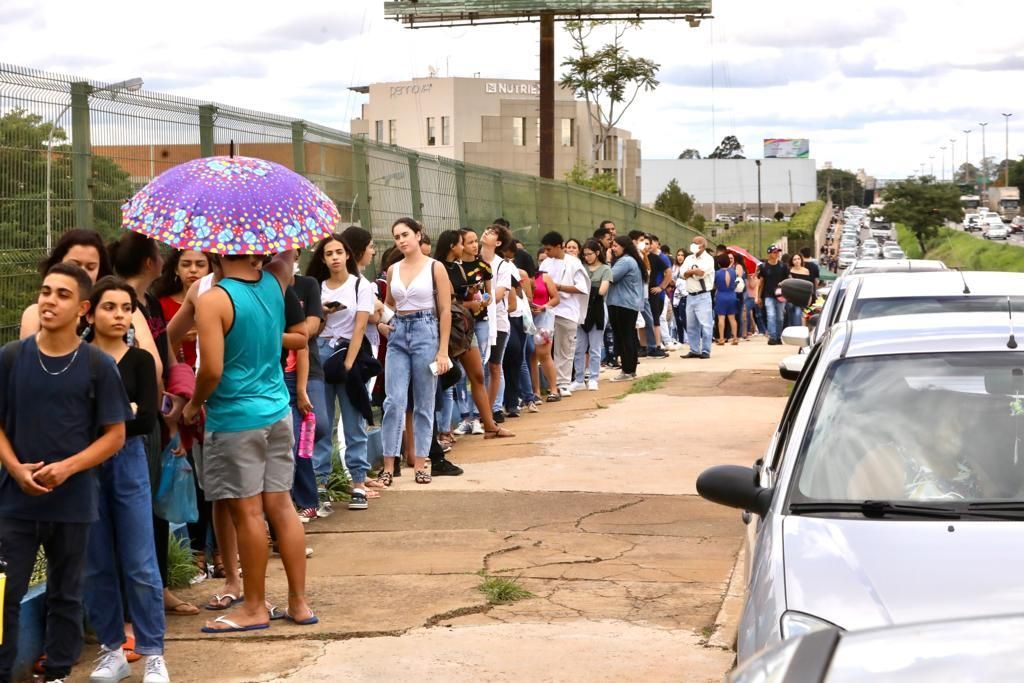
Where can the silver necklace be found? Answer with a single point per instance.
(71, 362)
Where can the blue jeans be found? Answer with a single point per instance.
(699, 318)
(588, 342)
(645, 313)
(324, 448)
(481, 331)
(680, 315)
(353, 426)
(446, 408)
(609, 343)
(525, 378)
(775, 312)
(121, 549)
(512, 365)
(304, 484)
(412, 347)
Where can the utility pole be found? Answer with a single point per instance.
(967, 156)
(932, 157)
(984, 162)
(1007, 151)
(547, 95)
(943, 148)
(758, 163)
(952, 159)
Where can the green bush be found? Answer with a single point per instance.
(960, 250)
(181, 565)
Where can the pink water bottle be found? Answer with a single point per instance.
(307, 435)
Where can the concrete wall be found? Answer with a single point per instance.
(789, 182)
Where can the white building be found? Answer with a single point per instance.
(730, 185)
(493, 123)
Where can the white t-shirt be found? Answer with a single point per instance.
(569, 270)
(343, 323)
(705, 262)
(497, 311)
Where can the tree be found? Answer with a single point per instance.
(675, 202)
(922, 205)
(843, 186)
(608, 78)
(690, 154)
(778, 216)
(602, 182)
(1017, 174)
(966, 174)
(730, 148)
(698, 222)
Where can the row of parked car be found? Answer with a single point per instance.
(889, 501)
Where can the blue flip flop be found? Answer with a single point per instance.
(233, 627)
(308, 621)
(276, 613)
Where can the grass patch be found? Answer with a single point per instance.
(181, 566)
(805, 220)
(503, 590)
(960, 250)
(339, 484)
(651, 382)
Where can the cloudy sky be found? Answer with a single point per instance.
(876, 84)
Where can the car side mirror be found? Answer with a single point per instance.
(798, 292)
(735, 487)
(797, 335)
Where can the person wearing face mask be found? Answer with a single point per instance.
(698, 272)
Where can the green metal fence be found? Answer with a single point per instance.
(73, 150)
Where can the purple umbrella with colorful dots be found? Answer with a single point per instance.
(231, 205)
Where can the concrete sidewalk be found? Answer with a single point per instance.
(591, 509)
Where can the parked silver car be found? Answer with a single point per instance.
(893, 489)
(984, 649)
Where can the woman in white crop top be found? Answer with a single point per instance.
(420, 338)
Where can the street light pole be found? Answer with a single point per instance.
(984, 161)
(130, 85)
(967, 156)
(932, 157)
(1007, 151)
(943, 148)
(757, 162)
(952, 159)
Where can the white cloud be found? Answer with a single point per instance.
(878, 85)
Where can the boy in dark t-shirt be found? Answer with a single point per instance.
(63, 410)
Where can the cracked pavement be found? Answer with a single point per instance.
(594, 514)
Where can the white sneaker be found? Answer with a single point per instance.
(111, 665)
(592, 385)
(156, 670)
(465, 427)
(325, 509)
(577, 386)
(478, 427)
(564, 392)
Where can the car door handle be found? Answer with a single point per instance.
(746, 517)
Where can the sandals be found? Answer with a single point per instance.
(181, 609)
(499, 433)
(385, 478)
(373, 484)
(217, 603)
(553, 398)
(422, 477)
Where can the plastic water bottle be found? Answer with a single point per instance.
(307, 431)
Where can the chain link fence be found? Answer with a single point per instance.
(73, 150)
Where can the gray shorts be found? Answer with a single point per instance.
(245, 464)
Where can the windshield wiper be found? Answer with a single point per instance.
(876, 509)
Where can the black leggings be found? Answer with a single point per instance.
(623, 322)
(512, 363)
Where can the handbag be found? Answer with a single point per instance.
(176, 496)
(529, 327)
(460, 337)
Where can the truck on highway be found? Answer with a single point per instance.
(1004, 201)
(970, 202)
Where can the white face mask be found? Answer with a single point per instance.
(694, 248)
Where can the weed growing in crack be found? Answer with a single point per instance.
(651, 382)
(503, 590)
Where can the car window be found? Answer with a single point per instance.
(878, 308)
(916, 428)
(796, 397)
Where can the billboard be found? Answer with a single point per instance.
(787, 148)
(475, 12)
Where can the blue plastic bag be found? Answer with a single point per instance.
(176, 495)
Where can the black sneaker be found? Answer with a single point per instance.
(658, 353)
(705, 356)
(358, 501)
(445, 468)
(498, 416)
(691, 354)
(514, 413)
(642, 353)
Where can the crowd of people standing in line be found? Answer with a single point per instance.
(126, 356)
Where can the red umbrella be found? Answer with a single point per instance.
(749, 262)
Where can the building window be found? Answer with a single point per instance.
(568, 132)
(378, 131)
(446, 130)
(519, 131)
(392, 132)
(431, 133)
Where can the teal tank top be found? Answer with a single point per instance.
(251, 393)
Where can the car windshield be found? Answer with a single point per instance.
(937, 427)
(915, 305)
